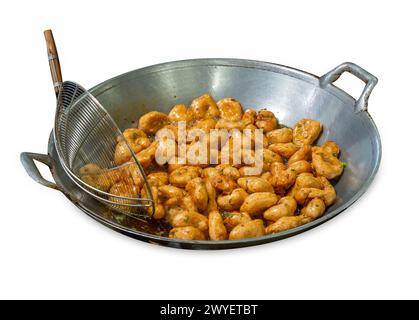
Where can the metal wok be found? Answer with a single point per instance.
(291, 94)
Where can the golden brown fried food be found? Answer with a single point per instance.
(204, 107)
(90, 169)
(251, 128)
(299, 167)
(136, 139)
(190, 218)
(223, 184)
(229, 124)
(228, 171)
(285, 207)
(266, 120)
(217, 230)
(230, 109)
(159, 210)
(232, 219)
(258, 202)
(285, 150)
(306, 131)
(158, 179)
(93, 182)
(211, 172)
(326, 164)
(187, 203)
(266, 175)
(251, 229)
(307, 180)
(270, 157)
(200, 125)
(248, 171)
(181, 176)
(123, 189)
(98, 178)
(283, 135)
(284, 223)
(327, 193)
(132, 134)
(198, 192)
(172, 212)
(186, 233)
(169, 191)
(303, 195)
(304, 153)
(277, 168)
(314, 209)
(174, 163)
(232, 201)
(146, 156)
(212, 196)
(131, 172)
(331, 147)
(180, 112)
(249, 117)
(153, 121)
(255, 184)
(282, 178)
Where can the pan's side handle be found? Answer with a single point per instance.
(28, 162)
(370, 81)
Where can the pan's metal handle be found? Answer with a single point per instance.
(28, 162)
(370, 81)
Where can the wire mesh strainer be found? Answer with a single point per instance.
(85, 137)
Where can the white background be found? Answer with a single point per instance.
(49, 249)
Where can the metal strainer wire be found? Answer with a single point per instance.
(85, 136)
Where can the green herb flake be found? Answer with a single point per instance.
(227, 215)
(344, 164)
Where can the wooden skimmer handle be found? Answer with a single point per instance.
(54, 61)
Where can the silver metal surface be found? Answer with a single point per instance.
(362, 103)
(291, 94)
(84, 133)
(28, 158)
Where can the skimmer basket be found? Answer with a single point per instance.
(86, 136)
